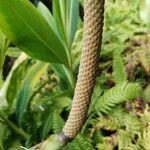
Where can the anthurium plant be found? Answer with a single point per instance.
(40, 51)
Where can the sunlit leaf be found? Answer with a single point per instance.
(145, 11)
(26, 28)
(13, 52)
(48, 16)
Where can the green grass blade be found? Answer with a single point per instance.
(73, 19)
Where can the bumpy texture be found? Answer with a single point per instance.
(92, 37)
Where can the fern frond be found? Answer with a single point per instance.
(126, 142)
(117, 95)
(132, 124)
(107, 122)
(57, 122)
(104, 146)
(146, 93)
(79, 143)
(119, 72)
(144, 140)
(145, 118)
(145, 60)
(108, 143)
(111, 122)
(123, 139)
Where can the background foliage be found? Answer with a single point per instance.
(35, 96)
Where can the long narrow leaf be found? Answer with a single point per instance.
(66, 13)
(62, 71)
(48, 16)
(25, 27)
(3, 90)
(15, 81)
(27, 88)
(58, 19)
(2, 49)
(73, 19)
(65, 75)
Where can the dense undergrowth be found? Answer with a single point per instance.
(39, 94)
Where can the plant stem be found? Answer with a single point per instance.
(1, 145)
(52, 143)
(16, 129)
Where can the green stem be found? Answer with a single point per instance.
(52, 143)
(17, 130)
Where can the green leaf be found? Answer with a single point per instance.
(16, 145)
(146, 93)
(73, 19)
(3, 131)
(79, 143)
(3, 90)
(145, 11)
(65, 75)
(55, 99)
(13, 52)
(2, 49)
(47, 124)
(53, 121)
(58, 19)
(48, 16)
(27, 88)
(25, 27)
(117, 95)
(66, 14)
(119, 72)
(15, 82)
(58, 122)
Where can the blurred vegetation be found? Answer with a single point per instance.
(35, 97)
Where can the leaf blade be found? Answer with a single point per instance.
(30, 31)
(27, 88)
